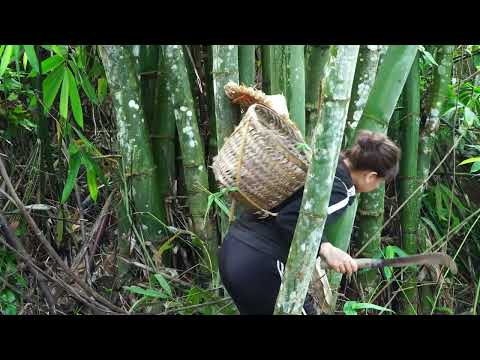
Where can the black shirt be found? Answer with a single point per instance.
(273, 235)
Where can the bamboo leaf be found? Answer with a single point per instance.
(147, 292)
(221, 205)
(32, 57)
(88, 88)
(73, 168)
(51, 85)
(351, 307)
(101, 89)
(64, 96)
(51, 63)
(7, 55)
(164, 284)
(471, 160)
(91, 178)
(475, 167)
(432, 227)
(469, 116)
(427, 56)
(75, 99)
(16, 53)
(61, 50)
(24, 61)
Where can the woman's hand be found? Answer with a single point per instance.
(337, 259)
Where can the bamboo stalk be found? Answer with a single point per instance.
(314, 73)
(267, 68)
(339, 234)
(148, 64)
(295, 84)
(363, 81)
(326, 142)
(391, 77)
(134, 141)
(224, 69)
(246, 65)
(193, 159)
(285, 72)
(438, 97)
(409, 136)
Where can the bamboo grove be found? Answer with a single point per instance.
(118, 142)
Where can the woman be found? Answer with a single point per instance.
(254, 250)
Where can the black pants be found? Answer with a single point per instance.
(251, 277)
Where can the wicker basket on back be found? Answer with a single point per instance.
(261, 158)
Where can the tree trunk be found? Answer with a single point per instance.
(326, 142)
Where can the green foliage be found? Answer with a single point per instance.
(352, 307)
(389, 253)
(80, 156)
(195, 300)
(8, 271)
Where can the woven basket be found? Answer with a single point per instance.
(261, 158)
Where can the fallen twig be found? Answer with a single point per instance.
(51, 251)
(16, 242)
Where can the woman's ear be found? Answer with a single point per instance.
(372, 176)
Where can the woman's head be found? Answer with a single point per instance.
(372, 159)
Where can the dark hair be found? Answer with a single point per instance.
(375, 152)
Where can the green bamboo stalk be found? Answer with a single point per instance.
(287, 76)
(267, 68)
(438, 96)
(150, 81)
(193, 159)
(339, 234)
(295, 85)
(391, 77)
(393, 131)
(133, 139)
(435, 106)
(42, 133)
(162, 133)
(365, 74)
(246, 65)
(224, 69)
(409, 136)
(314, 73)
(327, 139)
(148, 61)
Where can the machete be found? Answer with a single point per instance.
(420, 259)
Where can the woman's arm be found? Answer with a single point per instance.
(338, 259)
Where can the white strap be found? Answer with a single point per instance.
(341, 204)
